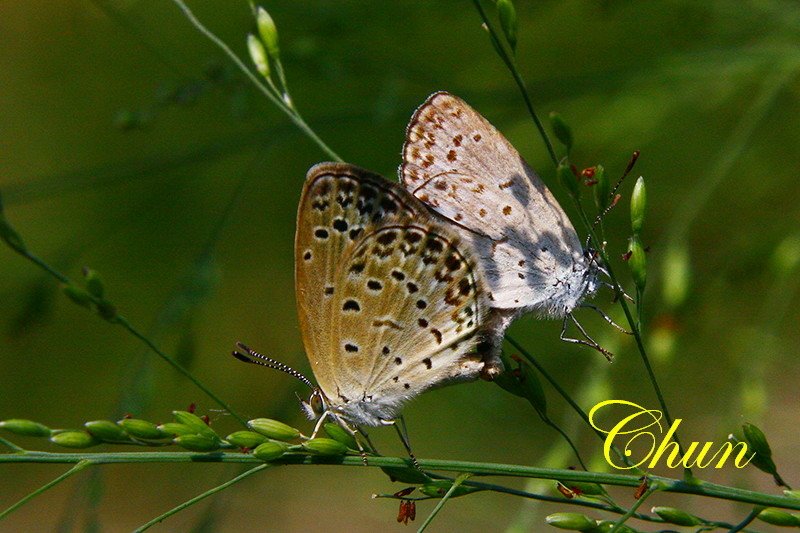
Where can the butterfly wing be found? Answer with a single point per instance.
(339, 202)
(457, 163)
(377, 280)
(409, 310)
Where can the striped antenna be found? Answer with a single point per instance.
(256, 358)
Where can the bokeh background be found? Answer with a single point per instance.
(131, 145)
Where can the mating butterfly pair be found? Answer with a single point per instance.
(406, 287)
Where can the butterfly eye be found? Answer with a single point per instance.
(317, 403)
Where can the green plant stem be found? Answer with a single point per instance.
(633, 323)
(122, 321)
(480, 469)
(200, 497)
(508, 59)
(11, 445)
(557, 429)
(564, 394)
(635, 507)
(752, 515)
(80, 465)
(458, 481)
(290, 111)
(579, 502)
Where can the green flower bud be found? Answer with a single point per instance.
(440, 487)
(562, 131)
(602, 189)
(778, 517)
(568, 179)
(756, 440)
(175, 429)
(26, 428)
(94, 285)
(106, 430)
(268, 31)
(323, 446)
(338, 433)
(270, 450)
(77, 295)
(197, 443)
(792, 494)
(571, 521)
(141, 429)
(196, 423)
(273, 429)
(638, 205)
(258, 55)
(74, 439)
(637, 263)
(757, 443)
(676, 275)
(246, 439)
(676, 516)
(508, 21)
(405, 475)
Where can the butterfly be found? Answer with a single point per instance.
(391, 301)
(460, 166)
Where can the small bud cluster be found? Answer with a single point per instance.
(91, 295)
(268, 439)
(265, 54)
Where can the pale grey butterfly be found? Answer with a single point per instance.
(390, 299)
(461, 167)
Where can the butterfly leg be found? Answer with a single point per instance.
(372, 447)
(606, 318)
(614, 288)
(400, 426)
(321, 421)
(590, 342)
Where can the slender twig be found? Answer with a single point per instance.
(635, 507)
(752, 515)
(708, 489)
(564, 394)
(200, 497)
(80, 465)
(508, 59)
(579, 502)
(290, 111)
(122, 321)
(11, 445)
(457, 483)
(637, 335)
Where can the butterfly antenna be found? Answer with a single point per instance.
(614, 196)
(256, 358)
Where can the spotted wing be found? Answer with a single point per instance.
(457, 163)
(340, 203)
(408, 309)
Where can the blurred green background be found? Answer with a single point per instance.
(126, 137)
